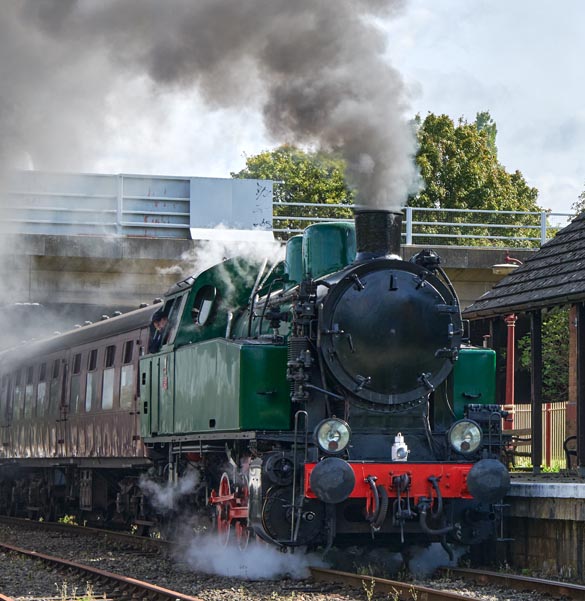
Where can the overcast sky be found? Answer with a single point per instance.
(519, 59)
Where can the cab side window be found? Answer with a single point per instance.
(204, 305)
(173, 310)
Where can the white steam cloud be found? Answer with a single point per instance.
(165, 497)
(258, 562)
(315, 69)
(425, 561)
(212, 252)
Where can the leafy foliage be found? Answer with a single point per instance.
(460, 168)
(304, 177)
(579, 205)
(555, 355)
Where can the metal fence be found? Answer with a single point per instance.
(35, 202)
(166, 206)
(553, 432)
(430, 226)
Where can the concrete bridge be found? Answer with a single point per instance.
(83, 246)
(84, 277)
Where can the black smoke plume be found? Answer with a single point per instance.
(316, 69)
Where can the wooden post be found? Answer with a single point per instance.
(536, 388)
(510, 367)
(581, 389)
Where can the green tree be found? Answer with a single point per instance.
(303, 177)
(484, 122)
(555, 355)
(579, 205)
(460, 169)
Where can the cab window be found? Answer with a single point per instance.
(204, 305)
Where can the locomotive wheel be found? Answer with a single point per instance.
(231, 511)
(222, 511)
(242, 535)
(242, 531)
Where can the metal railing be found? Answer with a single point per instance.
(98, 205)
(422, 225)
(164, 206)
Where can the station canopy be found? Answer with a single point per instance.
(553, 276)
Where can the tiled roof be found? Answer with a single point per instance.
(555, 275)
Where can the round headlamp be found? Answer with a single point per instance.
(465, 437)
(332, 436)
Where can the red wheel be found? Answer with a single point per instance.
(222, 511)
(242, 531)
(231, 511)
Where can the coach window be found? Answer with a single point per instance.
(17, 408)
(109, 370)
(3, 395)
(127, 376)
(42, 391)
(203, 305)
(75, 387)
(9, 399)
(54, 389)
(92, 380)
(28, 392)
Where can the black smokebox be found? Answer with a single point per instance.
(378, 233)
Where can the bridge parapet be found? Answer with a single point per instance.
(191, 207)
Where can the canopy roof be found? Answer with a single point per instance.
(555, 275)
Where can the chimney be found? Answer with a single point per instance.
(378, 233)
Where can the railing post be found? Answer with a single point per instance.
(548, 434)
(119, 207)
(542, 228)
(409, 226)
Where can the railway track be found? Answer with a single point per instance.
(112, 585)
(553, 588)
(368, 587)
(401, 591)
(140, 543)
(372, 586)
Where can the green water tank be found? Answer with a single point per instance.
(293, 262)
(474, 378)
(327, 247)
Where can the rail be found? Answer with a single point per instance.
(556, 589)
(126, 588)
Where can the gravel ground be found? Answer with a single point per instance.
(25, 579)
